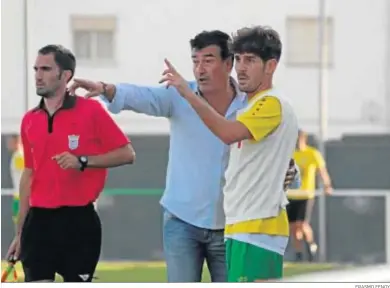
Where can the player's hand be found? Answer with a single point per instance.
(172, 78)
(290, 175)
(14, 249)
(67, 160)
(328, 190)
(94, 88)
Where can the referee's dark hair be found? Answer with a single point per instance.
(262, 41)
(63, 57)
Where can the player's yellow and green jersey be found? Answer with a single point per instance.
(257, 227)
(309, 160)
(16, 169)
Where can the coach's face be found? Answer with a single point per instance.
(210, 70)
(48, 76)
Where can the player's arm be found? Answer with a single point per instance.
(323, 171)
(117, 147)
(154, 101)
(256, 123)
(25, 181)
(324, 174)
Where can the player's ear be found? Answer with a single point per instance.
(270, 66)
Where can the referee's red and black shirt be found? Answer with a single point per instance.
(82, 127)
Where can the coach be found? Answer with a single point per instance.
(68, 143)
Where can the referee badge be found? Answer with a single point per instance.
(73, 141)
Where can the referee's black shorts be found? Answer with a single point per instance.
(300, 210)
(64, 240)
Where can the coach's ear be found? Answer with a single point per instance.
(229, 63)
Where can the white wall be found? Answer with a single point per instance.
(13, 98)
(150, 30)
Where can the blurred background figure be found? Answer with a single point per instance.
(309, 161)
(16, 168)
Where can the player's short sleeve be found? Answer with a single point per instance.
(108, 132)
(319, 160)
(28, 162)
(263, 117)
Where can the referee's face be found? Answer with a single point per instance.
(48, 76)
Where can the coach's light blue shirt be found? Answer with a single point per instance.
(197, 158)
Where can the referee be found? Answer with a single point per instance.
(68, 143)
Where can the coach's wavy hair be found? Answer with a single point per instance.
(214, 37)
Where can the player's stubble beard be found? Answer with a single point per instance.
(254, 90)
(251, 91)
(248, 89)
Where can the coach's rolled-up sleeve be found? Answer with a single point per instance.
(154, 101)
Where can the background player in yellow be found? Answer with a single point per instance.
(309, 161)
(16, 169)
(262, 141)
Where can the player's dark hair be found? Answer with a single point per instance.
(214, 37)
(262, 41)
(63, 57)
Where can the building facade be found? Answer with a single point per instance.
(126, 41)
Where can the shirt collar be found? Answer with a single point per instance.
(68, 103)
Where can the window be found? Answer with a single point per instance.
(94, 38)
(303, 39)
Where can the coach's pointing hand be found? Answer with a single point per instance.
(94, 88)
(172, 78)
(67, 160)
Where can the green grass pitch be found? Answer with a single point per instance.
(137, 272)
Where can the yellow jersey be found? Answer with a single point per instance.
(309, 160)
(16, 169)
